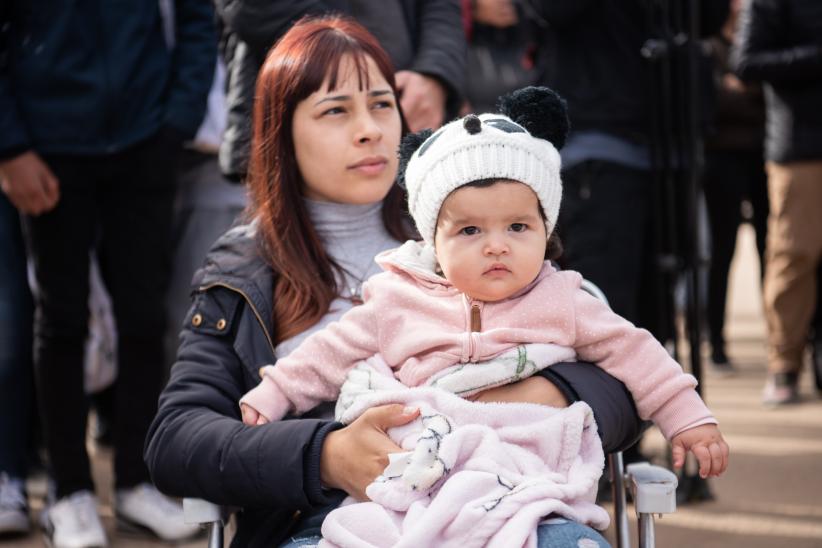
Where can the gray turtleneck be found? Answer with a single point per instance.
(352, 235)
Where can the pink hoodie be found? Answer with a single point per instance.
(420, 324)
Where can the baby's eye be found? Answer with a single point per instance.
(469, 230)
(519, 227)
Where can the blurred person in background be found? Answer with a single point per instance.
(16, 388)
(424, 39)
(779, 43)
(501, 49)
(93, 109)
(591, 55)
(206, 203)
(734, 180)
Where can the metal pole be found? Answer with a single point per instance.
(696, 161)
(646, 531)
(215, 535)
(623, 535)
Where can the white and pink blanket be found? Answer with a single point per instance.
(473, 474)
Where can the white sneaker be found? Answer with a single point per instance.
(73, 522)
(14, 512)
(145, 508)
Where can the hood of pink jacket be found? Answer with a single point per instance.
(418, 261)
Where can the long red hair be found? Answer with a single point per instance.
(296, 67)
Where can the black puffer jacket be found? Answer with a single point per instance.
(253, 26)
(780, 43)
(198, 446)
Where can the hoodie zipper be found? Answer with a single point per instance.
(476, 319)
(474, 326)
(250, 304)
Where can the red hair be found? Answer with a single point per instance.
(296, 67)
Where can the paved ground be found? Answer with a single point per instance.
(770, 497)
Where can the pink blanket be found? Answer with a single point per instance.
(475, 474)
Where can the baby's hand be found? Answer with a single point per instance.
(707, 445)
(250, 415)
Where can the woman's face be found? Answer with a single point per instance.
(346, 140)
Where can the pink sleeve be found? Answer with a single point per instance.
(266, 398)
(315, 370)
(662, 391)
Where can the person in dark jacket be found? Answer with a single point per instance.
(325, 203)
(780, 44)
(93, 105)
(734, 176)
(591, 55)
(424, 39)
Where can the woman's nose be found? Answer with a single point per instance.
(367, 129)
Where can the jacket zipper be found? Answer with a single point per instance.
(474, 325)
(476, 320)
(251, 305)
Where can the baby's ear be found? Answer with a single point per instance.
(540, 110)
(409, 145)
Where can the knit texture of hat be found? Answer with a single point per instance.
(488, 146)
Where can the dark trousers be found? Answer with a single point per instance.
(730, 178)
(15, 345)
(121, 206)
(604, 225)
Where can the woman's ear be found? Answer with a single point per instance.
(540, 110)
(409, 145)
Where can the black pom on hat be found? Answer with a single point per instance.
(540, 110)
(409, 145)
(472, 124)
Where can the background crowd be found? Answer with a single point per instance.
(125, 133)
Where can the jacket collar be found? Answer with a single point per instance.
(419, 261)
(235, 262)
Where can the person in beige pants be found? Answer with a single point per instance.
(794, 248)
(778, 42)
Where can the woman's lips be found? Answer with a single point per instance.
(370, 166)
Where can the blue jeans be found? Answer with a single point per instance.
(559, 533)
(15, 345)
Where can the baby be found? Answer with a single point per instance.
(484, 192)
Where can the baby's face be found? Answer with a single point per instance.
(490, 241)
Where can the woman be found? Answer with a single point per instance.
(324, 202)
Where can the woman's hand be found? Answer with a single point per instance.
(534, 389)
(707, 445)
(354, 456)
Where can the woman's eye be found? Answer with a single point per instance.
(469, 230)
(334, 110)
(519, 227)
(383, 104)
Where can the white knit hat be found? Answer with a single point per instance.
(488, 146)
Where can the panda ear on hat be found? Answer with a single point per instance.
(540, 110)
(408, 146)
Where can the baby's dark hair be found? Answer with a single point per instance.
(553, 250)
